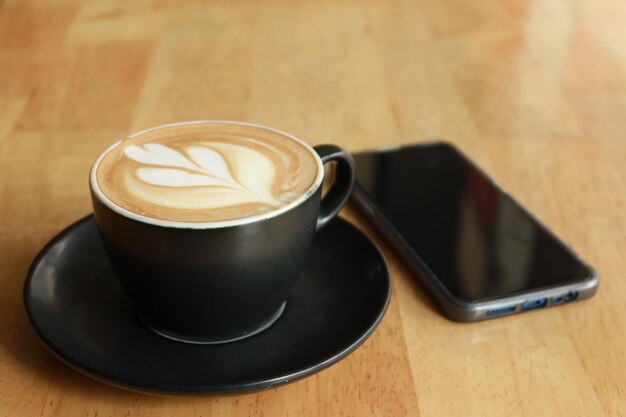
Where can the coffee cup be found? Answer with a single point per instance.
(207, 224)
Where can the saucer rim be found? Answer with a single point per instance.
(165, 388)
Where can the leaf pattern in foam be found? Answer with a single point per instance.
(209, 166)
(255, 171)
(208, 169)
(156, 154)
(211, 162)
(171, 177)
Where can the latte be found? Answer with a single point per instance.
(207, 171)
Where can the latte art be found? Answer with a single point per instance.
(206, 172)
(203, 167)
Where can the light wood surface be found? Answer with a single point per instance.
(533, 91)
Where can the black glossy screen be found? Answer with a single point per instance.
(474, 238)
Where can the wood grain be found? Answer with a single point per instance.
(533, 91)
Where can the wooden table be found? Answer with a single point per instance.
(533, 91)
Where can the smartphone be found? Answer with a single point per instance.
(476, 250)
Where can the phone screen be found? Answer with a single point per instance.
(477, 240)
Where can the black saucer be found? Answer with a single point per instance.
(81, 313)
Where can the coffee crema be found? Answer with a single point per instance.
(203, 172)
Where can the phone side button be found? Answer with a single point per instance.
(533, 304)
(499, 311)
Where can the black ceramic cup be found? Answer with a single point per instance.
(222, 281)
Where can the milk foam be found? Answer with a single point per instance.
(201, 166)
(195, 174)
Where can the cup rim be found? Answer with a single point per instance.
(178, 224)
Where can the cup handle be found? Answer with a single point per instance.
(341, 188)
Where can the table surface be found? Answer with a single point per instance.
(533, 91)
